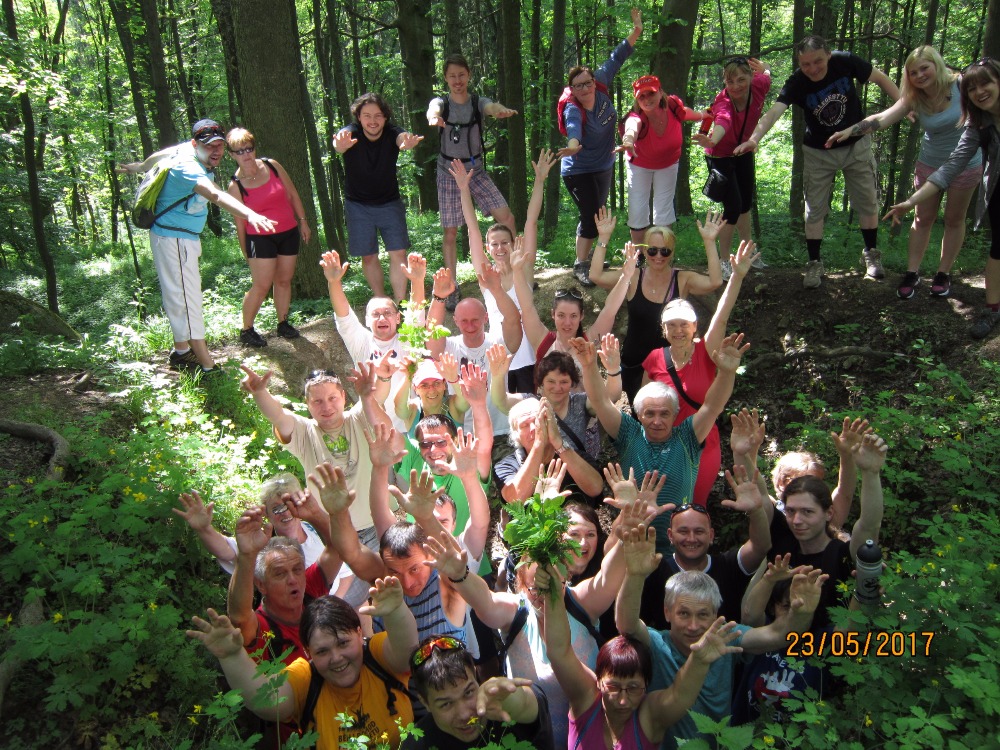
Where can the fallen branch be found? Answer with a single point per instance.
(794, 353)
(59, 462)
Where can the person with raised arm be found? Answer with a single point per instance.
(656, 284)
(429, 381)
(651, 442)
(824, 88)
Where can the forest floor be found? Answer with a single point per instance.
(850, 338)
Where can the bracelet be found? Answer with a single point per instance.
(614, 374)
(439, 299)
(451, 382)
(560, 450)
(384, 380)
(459, 580)
(602, 244)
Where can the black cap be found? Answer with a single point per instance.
(207, 131)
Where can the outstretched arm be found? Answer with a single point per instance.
(697, 283)
(749, 500)
(386, 601)
(847, 477)
(641, 559)
(597, 392)
(534, 329)
(199, 517)
(741, 262)
(763, 128)
(606, 222)
(251, 537)
(462, 178)
(337, 499)
(727, 361)
(334, 272)
(869, 457)
(274, 412)
(873, 123)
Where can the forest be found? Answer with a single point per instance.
(98, 437)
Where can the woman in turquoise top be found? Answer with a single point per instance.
(930, 90)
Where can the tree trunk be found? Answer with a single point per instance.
(453, 29)
(182, 78)
(158, 74)
(31, 167)
(513, 97)
(796, 202)
(991, 46)
(272, 108)
(557, 70)
(223, 12)
(672, 65)
(416, 46)
(122, 15)
(534, 113)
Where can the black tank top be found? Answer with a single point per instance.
(644, 332)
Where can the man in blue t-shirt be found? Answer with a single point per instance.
(824, 88)
(174, 236)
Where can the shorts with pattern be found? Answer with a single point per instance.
(485, 194)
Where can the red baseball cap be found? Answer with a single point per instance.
(645, 83)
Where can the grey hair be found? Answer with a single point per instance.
(694, 584)
(525, 409)
(279, 485)
(375, 302)
(811, 43)
(655, 390)
(280, 544)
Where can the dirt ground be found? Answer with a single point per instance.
(834, 341)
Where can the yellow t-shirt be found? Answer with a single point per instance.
(371, 713)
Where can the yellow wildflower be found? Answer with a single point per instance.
(868, 720)
(991, 566)
(192, 719)
(152, 606)
(57, 617)
(768, 739)
(154, 715)
(197, 709)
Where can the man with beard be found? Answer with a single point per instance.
(370, 146)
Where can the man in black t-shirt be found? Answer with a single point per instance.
(691, 535)
(370, 146)
(824, 88)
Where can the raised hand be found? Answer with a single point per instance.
(748, 432)
(622, 487)
(384, 597)
(443, 283)
(584, 351)
(713, 225)
(744, 486)
(254, 383)
(550, 478)
(415, 269)
(419, 501)
(870, 454)
(781, 569)
(745, 255)
(409, 141)
(475, 384)
(546, 160)
(636, 21)
(304, 505)
(731, 350)
(649, 492)
(606, 222)
(714, 644)
(499, 360)
(195, 512)
(464, 458)
(489, 278)
(632, 254)
(380, 443)
(333, 490)
(386, 366)
(252, 531)
(518, 254)
(343, 140)
(448, 367)
(806, 590)
(462, 176)
(333, 269)
(639, 546)
(610, 353)
(363, 379)
(218, 634)
(850, 435)
(445, 554)
(492, 694)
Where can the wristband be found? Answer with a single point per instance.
(451, 382)
(384, 380)
(560, 450)
(602, 244)
(614, 374)
(459, 580)
(439, 299)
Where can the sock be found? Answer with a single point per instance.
(812, 247)
(207, 369)
(871, 238)
(181, 351)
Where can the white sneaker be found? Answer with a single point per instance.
(873, 264)
(814, 274)
(759, 263)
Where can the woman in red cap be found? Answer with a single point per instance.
(652, 144)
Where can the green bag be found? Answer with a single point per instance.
(144, 214)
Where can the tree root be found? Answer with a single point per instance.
(59, 463)
(792, 353)
(29, 617)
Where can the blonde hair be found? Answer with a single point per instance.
(943, 78)
(668, 235)
(795, 464)
(238, 138)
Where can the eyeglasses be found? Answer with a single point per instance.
(426, 445)
(456, 134)
(691, 506)
(242, 151)
(206, 132)
(582, 86)
(652, 252)
(376, 314)
(444, 643)
(738, 60)
(613, 691)
(279, 510)
(574, 293)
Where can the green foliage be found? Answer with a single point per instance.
(537, 532)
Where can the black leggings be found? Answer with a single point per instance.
(739, 191)
(589, 192)
(993, 211)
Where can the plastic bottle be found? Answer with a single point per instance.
(868, 564)
(706, 123)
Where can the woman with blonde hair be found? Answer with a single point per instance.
(931, 91)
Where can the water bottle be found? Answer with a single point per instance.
(868, 565)
(706, 123)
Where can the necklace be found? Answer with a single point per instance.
(252, 177)
(680, 361)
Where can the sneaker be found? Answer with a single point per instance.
(216, 370)
(250, 337)
(287, 331)
(452, 302)
(873, 264)
(581, 269)
(908, 285)
(759, 263)
(727, 269)
(941, 286)
(814, 274)
(985, 323)
(186, 361)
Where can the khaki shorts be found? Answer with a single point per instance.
(820, 167)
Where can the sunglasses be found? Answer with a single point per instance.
(317, 374)
(738, 60)
(652, 252)
(444, 643)
(574, 293)
(242, 151)
(426, 445)
(213, 131)
(691, 506)
(984, 62)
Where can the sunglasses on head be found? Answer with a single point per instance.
(738, 60)
(984, 62)
(652, 251)
(444, 643)
(212, 131)
(574, 293)
(241, 151)
(317, 374)
(691, 506)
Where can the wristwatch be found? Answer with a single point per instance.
(560, 450)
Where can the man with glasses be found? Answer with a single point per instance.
(181, 211)
(691, 535)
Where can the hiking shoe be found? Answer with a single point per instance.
(814, 274)
(287, 331)
(452, 301)
(250, 337)
(186, 361)
(941, 286)
(908, 285)
(873, 264)
(581, 269)
(759, 263)
(727, 269)
(985, 323)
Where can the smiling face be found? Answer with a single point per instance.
(383, 318)
(210, 155)
(337, 656)
(457, 78)
(409, 569)
(680, 333)
(434, 448)
(692, 534)
(657, 239)
(689, 618)
(372, 121)
(984, 93)
(657, 419)
(556, 387)
(622, 695)
(584, 88)
(431, 394)
(648, 101)
(325, 402)
(566, 316)
(813, 63)
(498, 243)
(738, 84)
(454, 706)
(585, 533)
(806, 518)
(921, 74)
(470, 317)
(284, 582)
(285, 524)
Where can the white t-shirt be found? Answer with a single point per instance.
(467, 355)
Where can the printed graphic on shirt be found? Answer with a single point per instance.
(829, 105)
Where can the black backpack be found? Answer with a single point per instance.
(455, 137)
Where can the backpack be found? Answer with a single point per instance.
(565, 98)
(144, 213)
(316, 686)
(477, 119)
(675, 105)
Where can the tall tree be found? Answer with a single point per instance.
(269, 63)
(121, 13)
(416, 46)
(557, 76)
(223, 12)
(991, 34)
(513, 97)
(158, 74)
